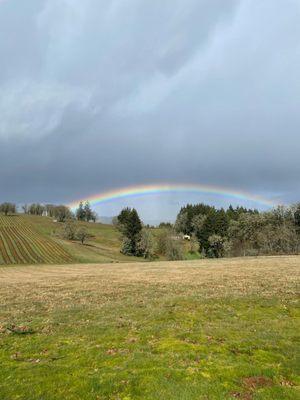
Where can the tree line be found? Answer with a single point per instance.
(211, 232)
(8, 208)
(240, 231)
(61, 213)
(147, 242)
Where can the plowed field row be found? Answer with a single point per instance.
(21, 244)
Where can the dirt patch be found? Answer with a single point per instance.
(250, 384)
(242, 396)
(20, 330)
(255, 382)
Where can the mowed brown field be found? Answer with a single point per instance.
(237, 276)
(173, 330)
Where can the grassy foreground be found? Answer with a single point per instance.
(225, 329)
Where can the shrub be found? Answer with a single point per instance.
(146, 246)
(162, 240)
(69, 231)
(174, 250)
(127, 246)
(194, 244)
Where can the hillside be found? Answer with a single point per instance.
(30, 239)
(21, 243)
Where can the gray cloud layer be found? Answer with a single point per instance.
(101, 94)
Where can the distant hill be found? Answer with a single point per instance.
(105, 220)
(108, 221)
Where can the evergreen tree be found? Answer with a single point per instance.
(297, 217)
(130, 226)
(88, 213)
(80, 212)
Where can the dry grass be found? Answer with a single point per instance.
(264, 276)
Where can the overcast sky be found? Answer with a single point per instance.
(101, 94)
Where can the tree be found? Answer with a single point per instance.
(296, 210)
(69, 231)
(50, 208)
(243, 233)
(126, 246)
(272, 232)
(181, 224)
(88, 213)
(194, 244)
(190, 211)
(169, 245)
(82, 234)
(216, 249)
(94, 216)
(123, 218)
(36, 209)
(165, 225)
(130, 225)
(162, 239)
(80, 212)
(62, 213)
(198, 223)
(85, 213)
(146, 246)
(25, 209)
(8, 208)
(278, 239)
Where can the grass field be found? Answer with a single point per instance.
(209, 329)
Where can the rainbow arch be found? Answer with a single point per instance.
(159, 188)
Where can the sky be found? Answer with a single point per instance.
(97, 95)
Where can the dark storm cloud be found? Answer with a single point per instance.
(96, 95)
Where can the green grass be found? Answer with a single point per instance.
(210, 329)
(103, 246)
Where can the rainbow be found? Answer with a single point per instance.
(159, 188)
